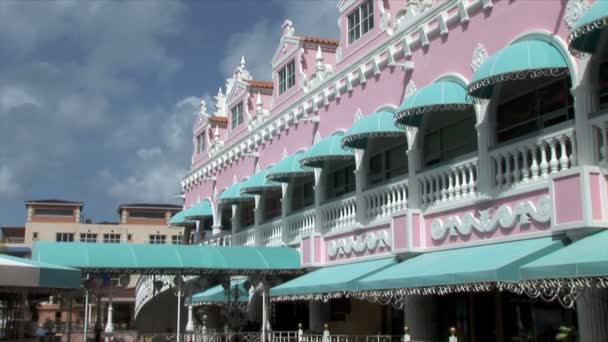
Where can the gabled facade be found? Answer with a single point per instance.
(495, 133)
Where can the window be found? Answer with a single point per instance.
(541, 105)
(111, 238)
(200, 143)
(64, 237)
(340, 180)
(157, 239)
(176, 239)
(147, 214)
(53, 212)
(444, 140)
(88, 237)
(129, 237)
(360, 21)
(287, 77)
(236, 117)
(303, 193)
(387, 164)
(34, 236)
(272, 204)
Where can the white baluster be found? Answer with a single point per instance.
(450, 187)
(472, 180)
(553, 162)
(437, 192)
(456, 183)
(564, 161)
(516, 169)
(444, 187)
(525, 171)
(499, 177)
(464, 186)
(572, 137)
(534, 168)
(544, 164)
(508, 175)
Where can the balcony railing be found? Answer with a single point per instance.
(299, 224)
(384, 200)
(599, 124)
(244, 238)
(449, 182)
(533, 158)
(271, 233)
(339, 214)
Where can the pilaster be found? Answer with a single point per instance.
(319, 191)
(485, 131)
(217, 219)
(286, 190)
(258, 217)
(413, 160)
(361, 169)
(585, 102)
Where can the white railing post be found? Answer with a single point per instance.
(326, 333)
(300, 333)
(406, 334)
(190, 324)
(453, 337)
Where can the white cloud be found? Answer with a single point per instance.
(155, 174)
(15, 97)
(258, 44)
(8, 185)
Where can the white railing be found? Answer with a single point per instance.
(271, 233)
(534, 158)
(599, 124)
(244, 238)
(384, 200)
(449, 182)
(299, 224)
(339, 214)
(145, 291)
(221, 240)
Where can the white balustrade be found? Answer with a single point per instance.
(384, 200)
(221, 240)
(299, 224)
(339, 215)
(600, 131)
(534, 158)
(271, 233)
(449, 182)
(244, 238)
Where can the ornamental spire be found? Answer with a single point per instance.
(258, 104)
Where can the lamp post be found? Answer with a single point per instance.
(178, 283)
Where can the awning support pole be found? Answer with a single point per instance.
(264, 309)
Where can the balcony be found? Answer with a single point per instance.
(447, 183)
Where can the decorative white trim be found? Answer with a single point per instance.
(359, 244)
(410, 89)
(574, 11)
(480, 54)
(504, 216)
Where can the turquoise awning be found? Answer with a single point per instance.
(378, 124)
(480, 264)
(586, 34)
(587, 257)
(199, 210)
(525, 59)
(179, 219)
(331, 279)
(288, 168)
(328, 148)
(441, 96)
(20, 272)
(233, 195)
(258, 183)
(167, 259)
(217, 294)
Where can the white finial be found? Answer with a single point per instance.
(242, 62)
(216, 134)
(288, 29)
(203, 108)
(320, 67)
(319, 54)
(258, 104)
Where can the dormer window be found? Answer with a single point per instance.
(287, 77)
(360, 21)
(200, 143)
(236, 116)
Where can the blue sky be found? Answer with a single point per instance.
(97, 98)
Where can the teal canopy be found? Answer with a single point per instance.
(341, 278)
(179, 219)
(167, 259)
(258, 183)
(328, 148)
(288, 168)
(585, 35)
(217, 294)
(587, 257)
(378, 124)
(233, 195)
(441, 96)
(26, 273)
(199, 210)
(525, 59)
(480, 264)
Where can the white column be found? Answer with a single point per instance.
(361, 169)
(110, 323)
(217, 219)
(258, 215)
(485, 133)
(265, 313)
(419, 318)
(86, 313)
(190, 324)
(319, 198)
(585, 102)
(414, 199)
(592, 314)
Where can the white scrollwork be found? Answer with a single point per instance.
(359, 244)
(480, 54)
(410, 89)
(505, 217)
(574, 10)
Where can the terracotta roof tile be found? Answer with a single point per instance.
(261, 84)
(320, 40)
(218, 119)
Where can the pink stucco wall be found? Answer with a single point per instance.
(568, 199)
(400, 232)
(595, 185)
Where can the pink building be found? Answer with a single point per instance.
(437, 127)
